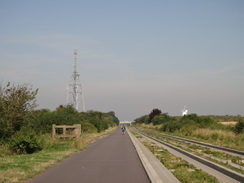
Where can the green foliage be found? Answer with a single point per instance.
(204, 128)
(5, 129)
(171, 126)
(154, 113)
(239, 128)
(187, 124)
(15, 103)
(86, 126)
(162, 118)
(114, 119)
(184, 171)
(25, 141)
(17, 112)
(41, 121)
(142, 119)
(188, 127)
(203, 121)
(4, 150)
(96, 118)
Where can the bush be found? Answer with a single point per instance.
(15, 103)
(4, 150)
(98, 124)
(25, 142)
(162, 118)
(239, 128)
(87, 127)
(142, 119)
(5, 129)
(202, 121)
(171, 126)
(154, 112)
(188, 127)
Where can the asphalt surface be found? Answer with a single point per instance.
(112, 159)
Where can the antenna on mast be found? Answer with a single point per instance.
(75, 94)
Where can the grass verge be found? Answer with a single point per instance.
(219, 137)
(235, 163)
(184, 171)
(19, 168)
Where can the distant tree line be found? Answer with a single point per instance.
(18, 116)
(188, 123)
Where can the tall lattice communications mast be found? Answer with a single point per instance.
(75, 94)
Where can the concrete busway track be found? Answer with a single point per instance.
(222, 149)
(157, 172)
(223, 174)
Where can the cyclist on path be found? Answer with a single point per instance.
(123, 129)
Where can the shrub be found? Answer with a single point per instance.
(188, 127)
(5, 129)
(25, 142)
(142, 119)
(215, 136)
(154, 113)
(4, 150)
(162, 118)
(239, 128)
(15, 103)
(87, 127)
(171, 126)
(98, 124)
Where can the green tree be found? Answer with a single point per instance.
(162, 118)
(114, 118)
(15, 103)
(142, 119)
(239, 128)
(154, 113)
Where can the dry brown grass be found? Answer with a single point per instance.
(221, 138)
(11, 176)
(217, 137)
(149, 126)
(87, 139)
(208, 133)
(231, 123)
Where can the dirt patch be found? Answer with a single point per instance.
(231, 123)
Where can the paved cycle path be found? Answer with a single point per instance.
(112, 159)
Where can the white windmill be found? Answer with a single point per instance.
(184, 111)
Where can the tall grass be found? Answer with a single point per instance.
(216, 134)
(4, 150)
(220, 137)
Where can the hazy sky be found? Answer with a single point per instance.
(133, 55)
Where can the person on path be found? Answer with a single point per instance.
(123, 129)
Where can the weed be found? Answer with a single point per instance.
(184, 171)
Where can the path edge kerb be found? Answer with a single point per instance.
(156, 171)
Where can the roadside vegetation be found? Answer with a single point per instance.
(227, 160)
(181, 169)
(203, 128)
(26, 146)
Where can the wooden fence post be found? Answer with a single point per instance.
(54, 131)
